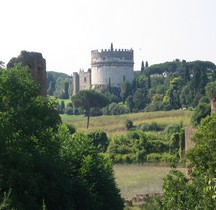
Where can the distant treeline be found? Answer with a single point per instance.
(166, 86)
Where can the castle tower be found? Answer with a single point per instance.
(37, 66)
(85, 80)
(111, 65)
(75, 83)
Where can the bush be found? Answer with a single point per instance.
(71, 128)
(151, 127)
(172, 128)
(69, 110)
(201, 111)
(128, 124)
(168, 158)
(96, 112)
(115, 109)
(154, 157)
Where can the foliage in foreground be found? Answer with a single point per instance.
(198, 189)
(42, 165)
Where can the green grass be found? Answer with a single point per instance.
(140, 179)
(115, 124)
(66, 101)
(133, 179)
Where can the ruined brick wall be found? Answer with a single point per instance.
(189, 131)
(213, 105)
(37, 66)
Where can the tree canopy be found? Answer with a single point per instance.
(197, 190)
(88, 99)
(43, 165)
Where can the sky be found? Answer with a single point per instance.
(65, 31)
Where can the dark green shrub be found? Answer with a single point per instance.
(172, 128)
(128, 124)
(99, 139)
(201, 111)
(154, 158)
(115, 109)
(71, 128)
(151, 127)
(168, 158)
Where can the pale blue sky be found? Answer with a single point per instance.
(65, 31)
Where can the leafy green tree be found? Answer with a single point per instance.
(88, 99)
(125, 90)
(28, 152)
(201, 111)
(42, 165)
(130, 102)
(197, 190)
(210, 89)
(62, 106)
(1, 64)
(51, 88)
(140, 98)
(95, 177)
(99, 139)
(142, 67)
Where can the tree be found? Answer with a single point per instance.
(142, 67)
(125, 90)
(42, 165)
(88, 99)
(130, 102)
(1, 65)
(99, 140)
(95, 186)
(201, 111)
(140, 98)
(197, 191)
(28, 151)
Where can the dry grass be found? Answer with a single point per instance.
(114, 125)
(140, 179)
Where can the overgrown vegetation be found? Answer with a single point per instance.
(42, 164)
(45, 164)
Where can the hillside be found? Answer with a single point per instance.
(114, 125)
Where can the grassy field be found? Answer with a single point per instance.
(114, 125)
(133, 179)
(140, 179)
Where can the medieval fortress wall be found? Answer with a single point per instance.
(109, 66)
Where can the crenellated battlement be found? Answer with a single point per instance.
(107, 56)
(108, 66)
(112, 66)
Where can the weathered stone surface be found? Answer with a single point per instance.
(112, 66)
(36, 64)
(213, 104)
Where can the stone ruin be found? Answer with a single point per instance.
(213, 104)
(189, 130)
(37, 65)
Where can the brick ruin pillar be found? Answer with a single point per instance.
(37, 65)
(189, 131)
(213, 105)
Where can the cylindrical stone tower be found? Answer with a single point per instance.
(111, 66)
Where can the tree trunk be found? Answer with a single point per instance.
(88, 117)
